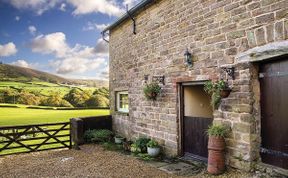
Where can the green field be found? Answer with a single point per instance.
(23, 116)
(45, 88)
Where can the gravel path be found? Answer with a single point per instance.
(90, 161)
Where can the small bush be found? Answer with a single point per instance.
(217, 130)
(152, 144)
(102, 135)
(112, 146)
(141, 143)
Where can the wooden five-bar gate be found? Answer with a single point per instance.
(31, 138)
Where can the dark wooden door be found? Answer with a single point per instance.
(195, 137)
(274, 113)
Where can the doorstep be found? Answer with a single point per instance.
(179, 167)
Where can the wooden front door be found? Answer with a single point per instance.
(274, 113)
(196, 119)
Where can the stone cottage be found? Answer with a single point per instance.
(243, 41)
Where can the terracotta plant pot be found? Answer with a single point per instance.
(225, 93)
(216, 155)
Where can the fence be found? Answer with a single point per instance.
(31, 138)
(40, 137)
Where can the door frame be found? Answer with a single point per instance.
(180, 88)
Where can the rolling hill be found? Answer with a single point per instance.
(21, 74)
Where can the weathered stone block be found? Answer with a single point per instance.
(260, 36)
(251, 39)
(236, 34)
(270, 33)
(243, 128)
(215, 39)
(264, 19)
(279, 33)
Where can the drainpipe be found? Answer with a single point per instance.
(103, 36)
(133, 19)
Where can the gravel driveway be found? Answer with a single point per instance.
(90, 161)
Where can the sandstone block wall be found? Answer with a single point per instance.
(215, 32)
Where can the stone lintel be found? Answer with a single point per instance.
(262, 53)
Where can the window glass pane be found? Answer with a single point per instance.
(123, 101)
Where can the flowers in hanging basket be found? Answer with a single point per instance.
(152, 90)
(219, 89)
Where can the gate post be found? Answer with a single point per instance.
(77, 132)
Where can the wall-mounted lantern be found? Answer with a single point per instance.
(188, 58)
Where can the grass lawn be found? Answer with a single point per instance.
(23, 116)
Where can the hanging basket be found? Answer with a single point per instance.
(225, 93)
(152, 95)
(151, 91)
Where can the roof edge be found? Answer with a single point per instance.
(125, 16)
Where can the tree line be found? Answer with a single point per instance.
(76, 97)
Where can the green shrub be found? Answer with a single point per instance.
(112, 146)
(152, 144)
(98, 101)
(217, 130)
(102, 135)
(141, 143)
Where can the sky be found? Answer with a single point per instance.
(61, 37)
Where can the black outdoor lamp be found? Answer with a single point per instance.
(188, 58)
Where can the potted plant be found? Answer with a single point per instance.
(216, 147)
(224, 88)
(135, 149)
(153, 148)
(219, 89)
(152, 90)
(118, 139)
(127, 145)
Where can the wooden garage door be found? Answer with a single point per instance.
(274, 113)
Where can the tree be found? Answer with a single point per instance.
(102, 91)
(78, 97)
(98, 101)
(28, 98)
(55, 99)
(9, 95)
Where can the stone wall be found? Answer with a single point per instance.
(215, 32)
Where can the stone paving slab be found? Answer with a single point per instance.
(177, 168)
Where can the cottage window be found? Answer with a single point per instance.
(122, 101)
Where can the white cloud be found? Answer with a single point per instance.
(8, 49)
(130, 3)
(54, 43)
(24, 63)
(63, 7)
(67, 65)
(109, 7)
(102, 48)
(39, 6)
(77, 59)
(94, 26)
(17, 18)
(32, 29)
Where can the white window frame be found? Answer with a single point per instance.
(118, 93)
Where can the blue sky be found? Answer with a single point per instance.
(58, 36)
